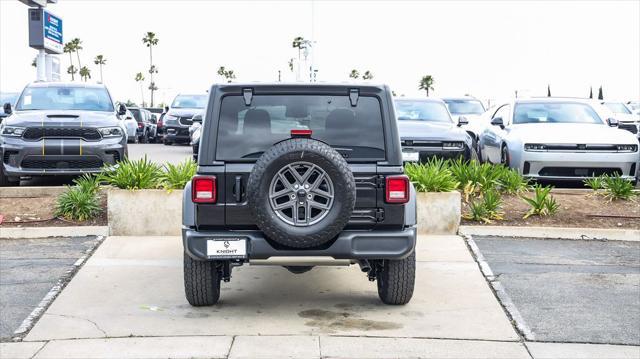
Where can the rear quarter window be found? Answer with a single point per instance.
(245, 132)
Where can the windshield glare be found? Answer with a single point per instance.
(465, 107)
(65, 98)
(189, 101)
(556, 112)
(422, 111)
(617, 107)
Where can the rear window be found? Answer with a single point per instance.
(245, 132)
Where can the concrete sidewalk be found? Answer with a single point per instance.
(128, 302)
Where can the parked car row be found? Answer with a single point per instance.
(543, 138)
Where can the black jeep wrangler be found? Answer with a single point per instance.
(297, 176)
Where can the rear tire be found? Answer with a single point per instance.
(201, 282)
(396, 280)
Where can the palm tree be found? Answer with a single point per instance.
(151, 40)
(426, 83)
(230, 76)
(140, 79)
(152, 87)
(297, 43)
(222, 71)
(69, 49)
(367, 75)
(71, 70)
(85, 73)
(77, 46)
(227, 74)
(100, 60)
(290, 63)
(354, 74)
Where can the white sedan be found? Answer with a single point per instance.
(558, 139)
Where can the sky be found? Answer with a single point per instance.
(488, 49)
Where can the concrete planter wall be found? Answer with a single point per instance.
(439, 212)
(149, 212)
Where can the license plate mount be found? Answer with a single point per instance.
(227, 248)
(410, 156)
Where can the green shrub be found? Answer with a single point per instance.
(433, 176)
(512, 182)
(78, 204)
(595, 183)
(542, 203)
(477, 212)
(177, 176)
(137, 174)
(616, 187)
(487, 208)
(88, 183)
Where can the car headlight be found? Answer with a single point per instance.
(111, 132)
(12, 131)
(453, 145)
(534, 147)
(627, 148)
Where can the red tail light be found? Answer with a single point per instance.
(159, 123)
(139, 125)
(203, 189)
(397, 189)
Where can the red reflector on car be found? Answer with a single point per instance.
(301, 133)
(203, 189)
(397, 189)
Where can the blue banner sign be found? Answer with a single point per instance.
(52, 31)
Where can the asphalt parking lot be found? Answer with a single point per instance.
(160, 153)
(570, 291)
(29, 268)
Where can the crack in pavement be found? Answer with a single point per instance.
(75, 317)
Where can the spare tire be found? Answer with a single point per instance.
(301, 193)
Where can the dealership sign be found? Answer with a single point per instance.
(45, 31)
(52, 32)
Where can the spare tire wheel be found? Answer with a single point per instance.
(301, 193)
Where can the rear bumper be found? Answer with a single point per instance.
(177, 134)
(349, 244)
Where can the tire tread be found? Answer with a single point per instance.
(397, 280)
(201, 282)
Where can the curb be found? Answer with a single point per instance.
(602, 234)
(44, 232)
(503, 297)
(29, 192)
(28, 323)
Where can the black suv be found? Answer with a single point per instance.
(297, 176)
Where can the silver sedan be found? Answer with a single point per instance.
(558, 139)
